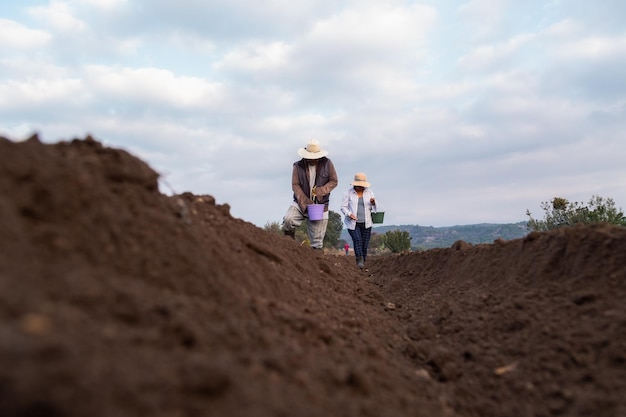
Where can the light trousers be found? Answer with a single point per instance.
(316, 229)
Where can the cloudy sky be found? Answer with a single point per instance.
(459, 112)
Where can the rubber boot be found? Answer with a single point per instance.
(359, 262)
(291, 234)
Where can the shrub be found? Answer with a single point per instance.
(560, 213)
(397, 241)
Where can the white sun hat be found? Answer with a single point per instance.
(313, 150)
(360, 180)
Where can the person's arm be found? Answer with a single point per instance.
(325, 189)
(302, 197)
(345, 203)
(372, 201)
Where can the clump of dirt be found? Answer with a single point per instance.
(117, 300)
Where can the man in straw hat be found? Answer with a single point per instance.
(312, 179)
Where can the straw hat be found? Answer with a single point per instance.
(360, 180)
(313, 150)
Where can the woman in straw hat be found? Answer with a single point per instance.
(312, 179)
(357, 206)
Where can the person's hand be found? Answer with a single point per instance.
(305, 206)
(353, 216)
(373, 201)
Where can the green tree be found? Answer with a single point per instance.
(333, 230)
(397, 241)
(560, 213)
(377, 241)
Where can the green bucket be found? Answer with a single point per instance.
(378, 217)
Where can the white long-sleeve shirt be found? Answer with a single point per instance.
(350, 204)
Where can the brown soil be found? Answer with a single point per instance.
(116, 300)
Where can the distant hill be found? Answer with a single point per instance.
(428, 237)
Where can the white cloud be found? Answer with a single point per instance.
(16, 35)
(153, 85)
(37, 92)
(344, 59)
(185, 41)
(106, 5)
(374, 32)
(285, 124)
(58, 15)
(485, 17)
(594, 47)
(564, 29)
(256, 57)
(486, 56)
(346, 41)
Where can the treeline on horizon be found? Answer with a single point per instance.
(558, 212)
(430, 237)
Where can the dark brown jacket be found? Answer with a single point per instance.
(325, 180)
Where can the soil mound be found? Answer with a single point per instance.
(116, 300)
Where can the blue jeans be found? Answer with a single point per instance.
(361, 240)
